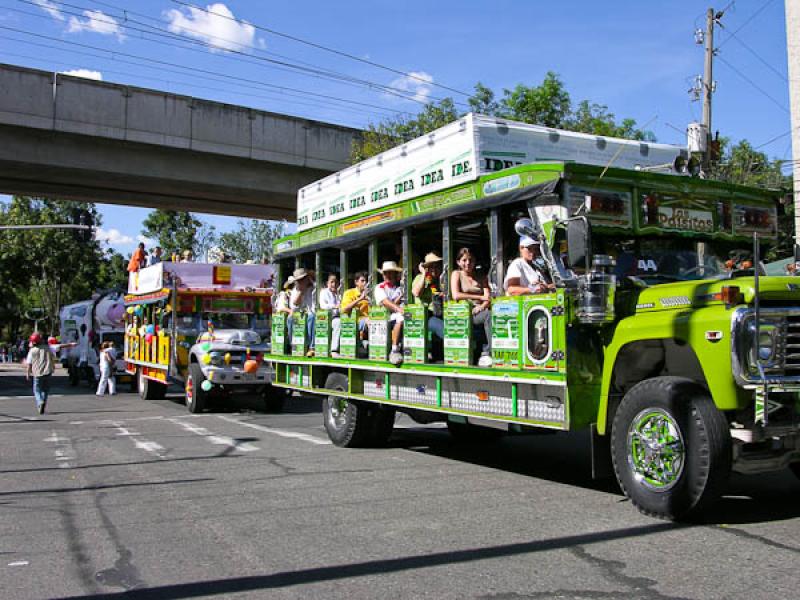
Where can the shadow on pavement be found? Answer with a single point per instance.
(379, 567)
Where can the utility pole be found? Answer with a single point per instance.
(708, 84)
(793, 50)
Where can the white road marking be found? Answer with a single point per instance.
(146, 445)
(64, 452)
(19, 563)
(279, 432)
(29, 397)
(220, 440)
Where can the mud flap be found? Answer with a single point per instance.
(601, 454)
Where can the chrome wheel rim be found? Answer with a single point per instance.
(337, 411)
(656, 451)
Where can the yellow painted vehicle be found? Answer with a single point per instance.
(202, 326)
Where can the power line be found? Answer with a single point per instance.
(321, 47)
(751, 82)
(754, 53)
(743, 25)
(240, 56)
(191, 69)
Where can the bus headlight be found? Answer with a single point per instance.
(769, 349)
(217, 358)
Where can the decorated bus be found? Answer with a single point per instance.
(574, 295)
(202, 326)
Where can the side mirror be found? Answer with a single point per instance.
(578, 242)
(524, 227)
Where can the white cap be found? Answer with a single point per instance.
(526, 241)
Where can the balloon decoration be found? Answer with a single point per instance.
(150, 329)
(205, 347)
(206, 386)
(206, 359)
(129, 310)
(250, 366)
(227, 358)
(148, 338)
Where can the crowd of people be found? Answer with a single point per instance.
(523, 276)
(141, 258)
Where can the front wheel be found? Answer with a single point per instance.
(196, 396)
(671, 447)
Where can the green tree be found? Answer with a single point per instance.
(483, 101)
(173, 230)
(46, 268)
(392, 132)
(595, 119)
(252, 240)
(546, 104)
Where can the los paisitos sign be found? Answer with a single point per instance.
(460, 152)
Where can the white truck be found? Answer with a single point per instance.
(88, 324)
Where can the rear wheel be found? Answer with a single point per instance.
(196, 397)
(149, 389)
(671, 447)
(354, 424)
(795, 468)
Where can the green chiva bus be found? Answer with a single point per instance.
(662, 338)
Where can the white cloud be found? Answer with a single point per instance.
(418, 84)
(113, 237)
(96, 21)
(86, 73)
(50, 8)
(147, 241)
(215, 25)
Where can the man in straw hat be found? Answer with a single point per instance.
(524, 276)
(427, 291)
(301, 298)
(389, 294)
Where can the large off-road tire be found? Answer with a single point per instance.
(149, 389)
(795, 468)
(274, 398)
(671, 448)
(196, 397)
(467, 433)
(352, 424)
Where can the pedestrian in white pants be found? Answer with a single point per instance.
(107, 359)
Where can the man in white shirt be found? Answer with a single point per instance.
(329, 299)
(389, 294)
(523, 275)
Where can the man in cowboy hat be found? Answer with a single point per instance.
(524, 276)
(427, 291)
(302, 298)
(389, 294)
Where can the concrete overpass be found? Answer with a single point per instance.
(75, 138)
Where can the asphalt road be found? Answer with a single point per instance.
(107, 495)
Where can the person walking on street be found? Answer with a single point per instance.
(39, 365)
(108, 357)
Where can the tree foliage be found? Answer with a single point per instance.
(50, 268)
(548, 104)
(173, 230)
(251, 241)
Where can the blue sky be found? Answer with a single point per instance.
(639, 58)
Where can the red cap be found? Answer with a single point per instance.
(36, 338)
(52, 340)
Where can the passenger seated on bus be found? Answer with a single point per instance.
(466, 284)
(329, 300)
(356, 299)
(282, 300)
(524, 276)
(302, 298)
(389, 294)
(427, 291)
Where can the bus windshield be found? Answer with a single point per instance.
(660, 260)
